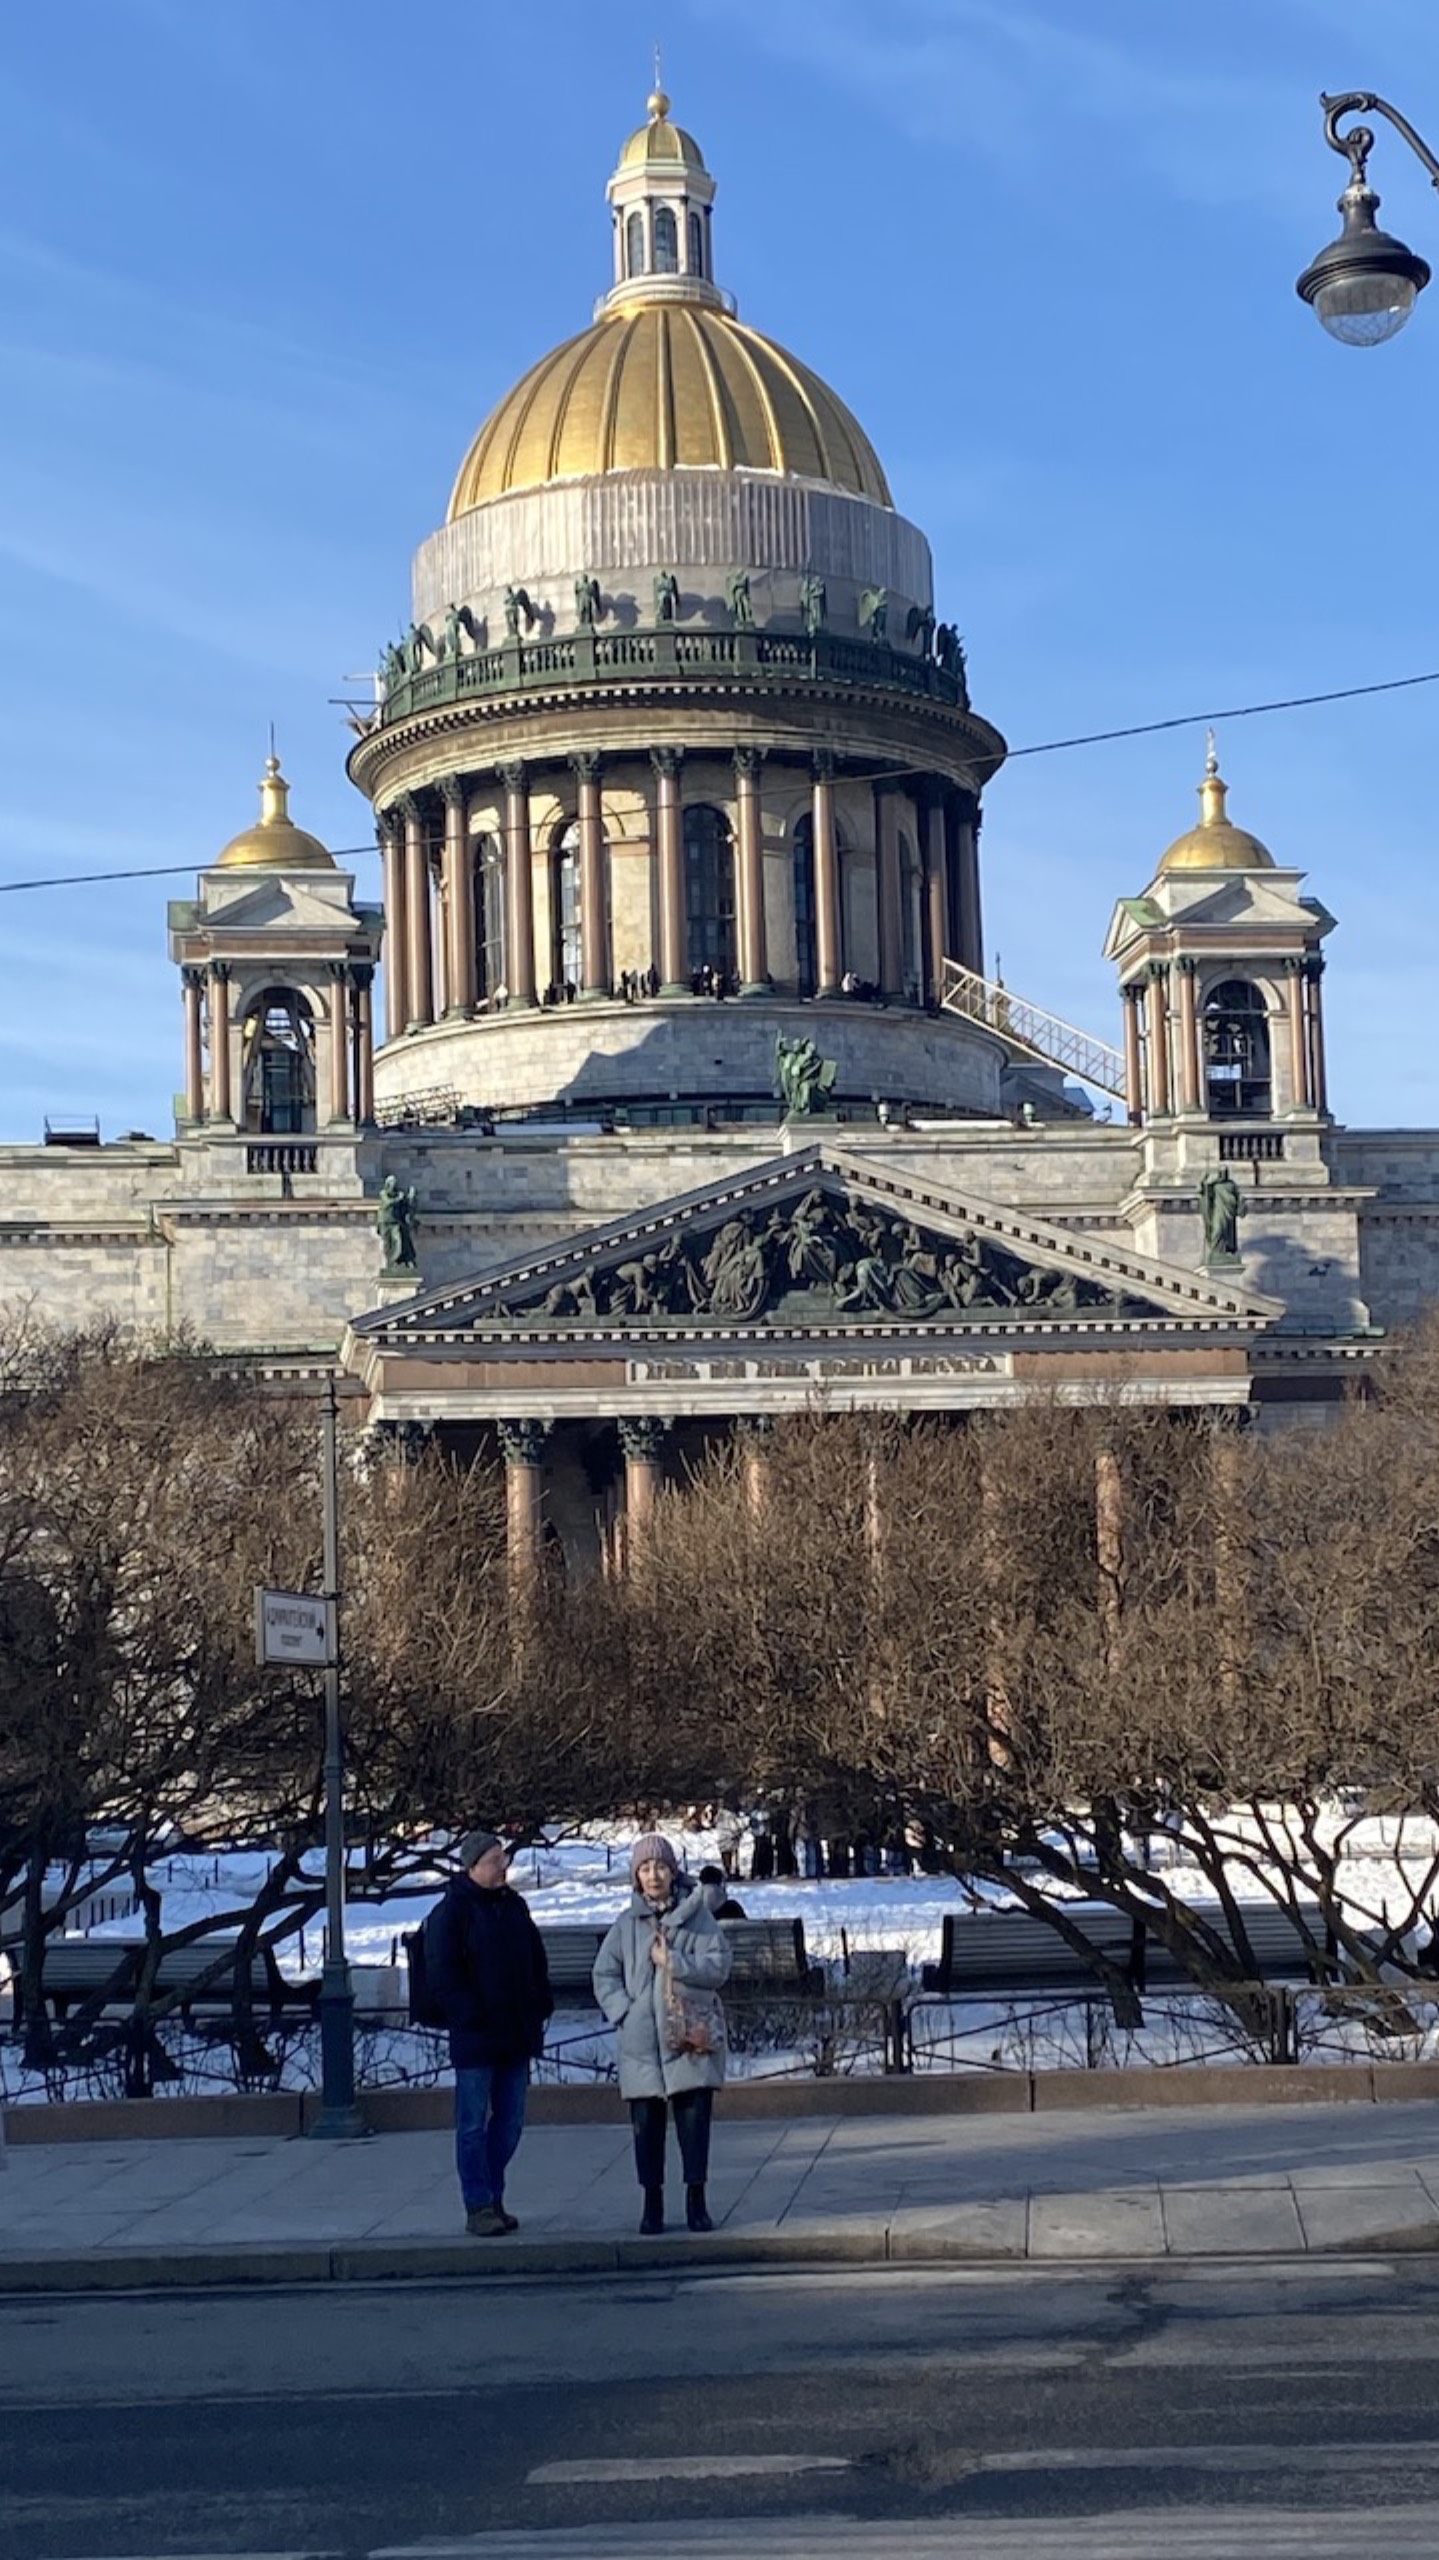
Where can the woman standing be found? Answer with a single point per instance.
(657, 1977)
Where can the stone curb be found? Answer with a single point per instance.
(754, 2101)
(366, 2262)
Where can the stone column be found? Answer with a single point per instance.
(419, 966)
(364, 980)
(936, 893)
(1298, 997)
(964, 855)
(1158, 977)
(829, 966)
(888, 891)
(753, 1431)
(221, 1104)
(397, 1000)
(1109, 1540)
(643, 1441)
(523, 1446)
(519, 888)
(1133, 996)
(749, 874)
(670, 844)
(1319, 1074)
(192, 982)
(1189, 1088)
(339, 1041)
(596, 972)
(459, 903)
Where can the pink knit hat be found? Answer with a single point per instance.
(653, 1844)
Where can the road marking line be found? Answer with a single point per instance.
(1235, 2533)
(686, 2466)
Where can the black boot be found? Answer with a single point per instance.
(653, 2217)
(696, 2212)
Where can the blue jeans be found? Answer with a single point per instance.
(489, 2119)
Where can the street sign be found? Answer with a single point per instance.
(294, 1627)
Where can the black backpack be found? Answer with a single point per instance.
(425, 2009)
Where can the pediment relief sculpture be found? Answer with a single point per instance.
(816, 1260)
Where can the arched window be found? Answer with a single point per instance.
(1236, 1051)
(709, 891)
(805, 959)
(566, 947)
(278, 1054)
(488, 890)
(697, 245)
(667, 241)
(635, 244)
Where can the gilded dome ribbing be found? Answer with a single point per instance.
(668, 385)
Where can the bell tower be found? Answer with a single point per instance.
(1220, 970)
(1221, 966)
(277, 965)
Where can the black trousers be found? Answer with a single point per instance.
(692, 2110)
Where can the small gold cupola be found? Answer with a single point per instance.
(1216, 844)
(660, 199)
(275, 843)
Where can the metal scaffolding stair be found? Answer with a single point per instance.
(1030, 1030)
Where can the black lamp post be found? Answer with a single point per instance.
(1365, 284)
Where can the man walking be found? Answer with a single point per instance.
(485, 1962)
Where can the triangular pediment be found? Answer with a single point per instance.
(277, 902)
(820, 1240)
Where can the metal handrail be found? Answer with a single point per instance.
(1029, 1029)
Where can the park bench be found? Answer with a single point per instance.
(999, 1952)
(770, 1955)
(570, 1952)
(75, 1969)
(1277, 1950)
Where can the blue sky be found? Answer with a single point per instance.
(265, 264)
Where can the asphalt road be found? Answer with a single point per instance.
(1111, 2411)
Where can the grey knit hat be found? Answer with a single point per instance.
(653, 1844)
(474, 1846)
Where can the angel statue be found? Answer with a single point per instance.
(874, 611)
(737, 597)
(805, 1079)
(518, 608)
(395, 1224)
(813, 604)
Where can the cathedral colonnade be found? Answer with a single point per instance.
(582, 876)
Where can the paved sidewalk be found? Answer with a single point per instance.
(1082, 2184)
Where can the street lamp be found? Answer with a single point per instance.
(1365, 284)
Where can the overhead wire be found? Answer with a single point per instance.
(1045, 747)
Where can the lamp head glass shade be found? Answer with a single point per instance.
(1363, 287)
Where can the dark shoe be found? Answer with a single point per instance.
(486, 2222)
(653, 2217)
(510, 2220)
(696, 2212)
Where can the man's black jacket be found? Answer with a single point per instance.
(486, 1966)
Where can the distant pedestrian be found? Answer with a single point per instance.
(657, 1978)
(714, 1885)
(485, 1962)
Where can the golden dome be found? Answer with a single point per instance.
(1216, 844)
(661, 142)
(667, 385)
(275, 843)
